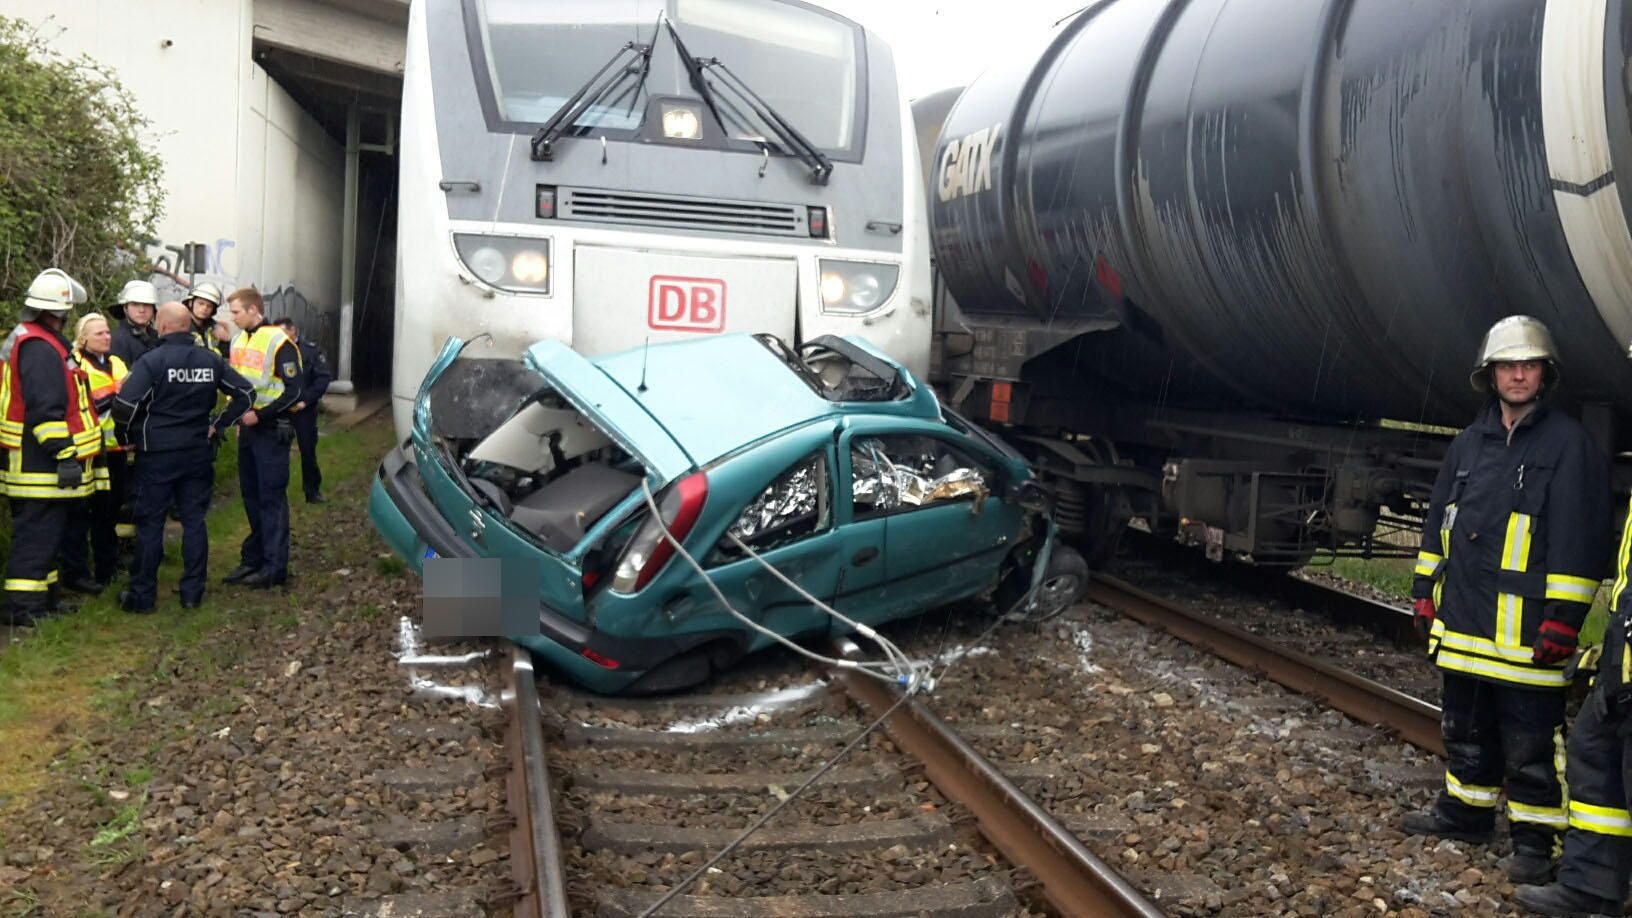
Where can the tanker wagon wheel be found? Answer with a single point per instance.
(1093, 517)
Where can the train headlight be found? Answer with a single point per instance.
(856, 287)
(487, 263)
(682, 122)
(530, 267)
(515, 264)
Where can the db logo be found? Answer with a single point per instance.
(694, 304)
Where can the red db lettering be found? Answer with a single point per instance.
(693, 304)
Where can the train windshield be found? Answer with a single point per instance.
(806, 63)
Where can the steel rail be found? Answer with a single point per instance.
(536, 862)
(1072, 878)
(1415, 721)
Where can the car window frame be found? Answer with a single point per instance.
(989, 468)
(717, 556)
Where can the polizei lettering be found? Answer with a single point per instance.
(195, 375)
(966, 164)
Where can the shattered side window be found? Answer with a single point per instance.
(896, 473)
(799, 503)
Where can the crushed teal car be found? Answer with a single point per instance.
(830, 462)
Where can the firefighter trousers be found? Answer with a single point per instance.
(1497, 736)
(37, 527)
(1598, 849)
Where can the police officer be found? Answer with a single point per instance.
(271, 362)
(202, 302)
(314, 381)
(1511, 557)
(163, 410)
(135, 336)
(50, 434)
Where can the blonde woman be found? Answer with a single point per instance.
(97, 517)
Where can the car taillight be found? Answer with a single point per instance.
(648, 551)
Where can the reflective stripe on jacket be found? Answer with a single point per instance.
(75, 435)
(1516, 532)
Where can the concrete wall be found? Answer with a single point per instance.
(246, 171)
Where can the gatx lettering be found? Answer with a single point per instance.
(196, 375)
(966, 164)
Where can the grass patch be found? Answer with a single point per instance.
(98, 662)
(1393, 576)
(389, 566)
(1386, 575)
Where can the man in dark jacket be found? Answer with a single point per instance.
(314, 381)
(164, 410)
(135, 335)
(1597, 862)
(1512, 554)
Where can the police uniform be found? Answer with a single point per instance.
(50, 433)
(98, 518)
(271, 362)
(1515, 536)
(163, 410)
(314, 381)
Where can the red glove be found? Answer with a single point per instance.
(1555, 641)
(1423, 616)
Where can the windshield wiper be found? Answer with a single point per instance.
(820, 166)
(594, 90)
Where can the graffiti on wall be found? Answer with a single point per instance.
(174, 270)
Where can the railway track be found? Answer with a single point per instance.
(637, 793)
(1413, 720)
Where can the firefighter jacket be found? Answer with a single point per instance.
(130, 343)
(1615, 664)
(104, 375)
(266, 357)
(1516, 533)
(45, 415)
(167, 400)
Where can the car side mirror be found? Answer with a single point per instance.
(1034, 497)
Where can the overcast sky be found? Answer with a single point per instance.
(940, 43)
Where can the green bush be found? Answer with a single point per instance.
(78, 190)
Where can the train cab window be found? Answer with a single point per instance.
(798, 504)
(904, 473)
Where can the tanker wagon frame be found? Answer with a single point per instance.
(1226, 272)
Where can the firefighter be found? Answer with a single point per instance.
(1597, 862)
(98, 517)
(165, 409)
(1511, 558)
(265, 356)
(50, 434)
(202, 302)
(135, 336)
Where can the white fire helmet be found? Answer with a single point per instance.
(54, 291)
(139, 291)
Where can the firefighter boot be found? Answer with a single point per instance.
(1526, 867)
(1431, 823)
(1558, 901)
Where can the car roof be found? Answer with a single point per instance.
(717, 394)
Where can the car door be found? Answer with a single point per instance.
(788, 519)
(940, 544)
